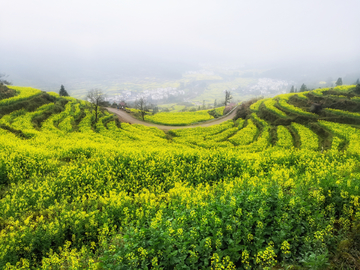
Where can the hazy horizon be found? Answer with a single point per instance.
(45, 43)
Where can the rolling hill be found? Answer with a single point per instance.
(277, 186)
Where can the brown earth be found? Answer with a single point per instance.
(128, 118)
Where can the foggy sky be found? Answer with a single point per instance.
(63, 34)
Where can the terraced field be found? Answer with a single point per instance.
(276, 187)
(172, 119)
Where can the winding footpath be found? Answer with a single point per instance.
(128, 118)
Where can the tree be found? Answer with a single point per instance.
(142, 106)
(357, 89)
(339, 82)
(63, 92)
(3, 81)
(303, 88)
(215, 103)
(5, 92)
(228, 97)
(292, 90)
(97, 98)
(357, 82)
(155, 110)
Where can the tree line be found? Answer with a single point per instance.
(304, 88)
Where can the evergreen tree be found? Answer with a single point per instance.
(63, 92)
(357, 82)
(357, 89)
(303, 88)
(292, 90)
(339, 82)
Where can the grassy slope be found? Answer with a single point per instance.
(74, 193)
(178, 118)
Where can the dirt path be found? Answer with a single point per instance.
(126, 117)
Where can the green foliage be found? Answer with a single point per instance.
(23, 93)
(270, 105)
(318, 260)
(63, 92)
(104, 195)
(179, 118)
(284, 137)
(348, 250)
(293, 109)
(308, 138)
(339, 82)
(343, 113)
(220, 110)
(255, 106)
(217, 112)
(6, 93)
(246, 135)
(303, 88)
(155, 110)
(357, 89)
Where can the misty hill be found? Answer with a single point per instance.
(165, 82)
(278, 182)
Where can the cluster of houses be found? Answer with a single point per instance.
(202, 72)
(153, 94)
(267, 86)
(264, 87)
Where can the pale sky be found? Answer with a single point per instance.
(36, 31)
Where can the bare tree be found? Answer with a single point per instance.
(228, 97)
(142, 106)
(3, 81)
(97, 98)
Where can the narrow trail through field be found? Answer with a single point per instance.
(128, 118)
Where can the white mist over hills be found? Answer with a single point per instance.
(136, 46)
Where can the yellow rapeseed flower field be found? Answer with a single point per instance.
(250, 193)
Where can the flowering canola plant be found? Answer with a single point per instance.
(22, 94)
(80, 194)
(179, 118)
